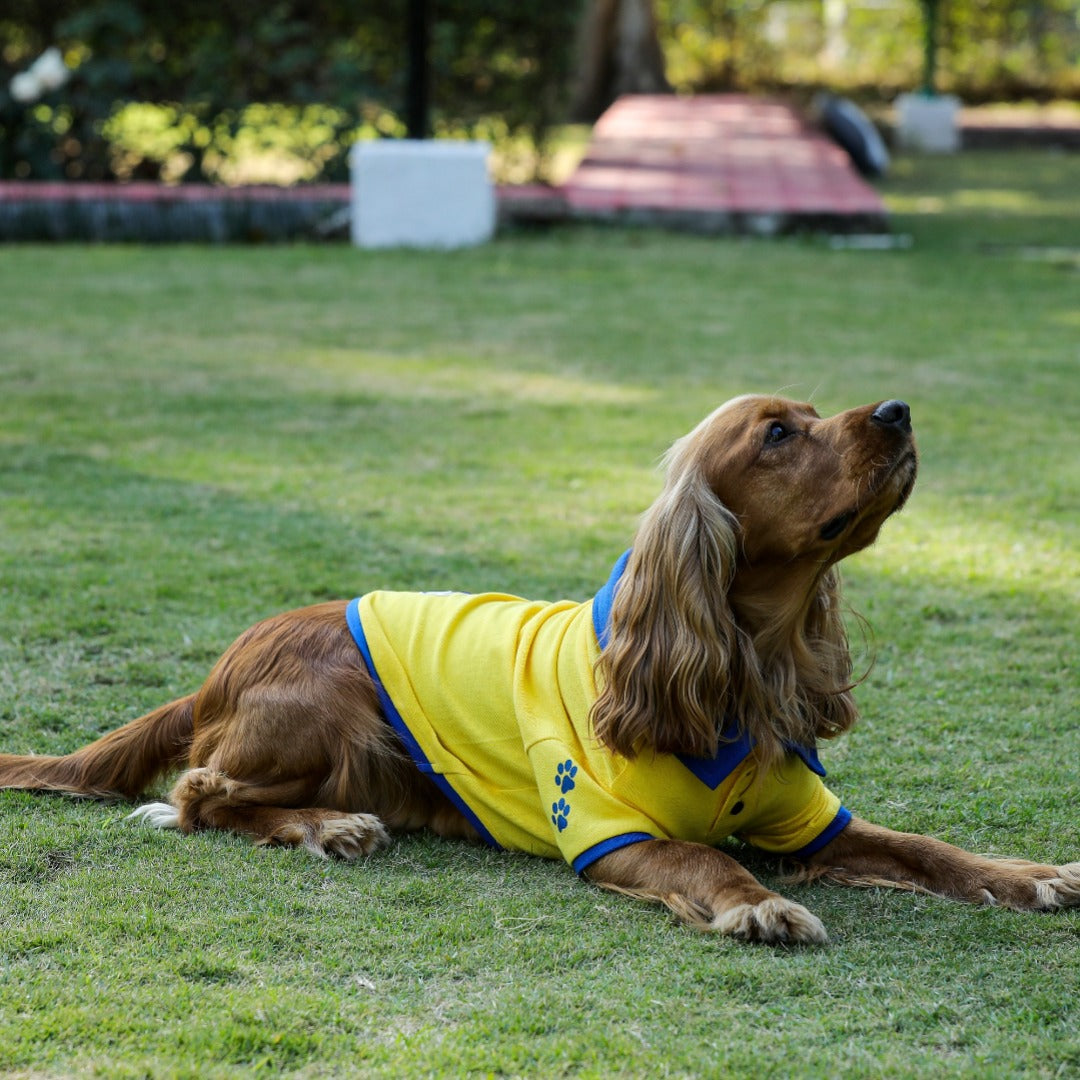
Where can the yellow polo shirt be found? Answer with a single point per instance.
(491, 696)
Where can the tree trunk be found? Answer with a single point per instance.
(620, 54)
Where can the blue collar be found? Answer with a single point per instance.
(601, 606)
(735, 745)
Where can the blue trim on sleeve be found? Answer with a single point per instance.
(601, 611)
(831, 832)
(606, 847)
(397, 722)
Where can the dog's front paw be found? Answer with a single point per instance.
(774, 920)
(1060, 891)
(1025, 886)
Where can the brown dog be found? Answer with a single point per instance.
(629, 734)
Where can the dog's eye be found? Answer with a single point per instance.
(776, 432)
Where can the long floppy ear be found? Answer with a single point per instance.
(664, 675)
(823, 660)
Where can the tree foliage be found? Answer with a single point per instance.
(986, 49)
(208, 61)
(181, 90)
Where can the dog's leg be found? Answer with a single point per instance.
(869, 855)
(708, 890)
(289, 747)
(205, 798)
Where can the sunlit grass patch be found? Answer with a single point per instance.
(1032, 198)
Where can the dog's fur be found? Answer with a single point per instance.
(728, 608)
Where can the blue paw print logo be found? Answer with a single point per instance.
(560, 811)
(564, 776)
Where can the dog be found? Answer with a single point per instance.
(630, 734)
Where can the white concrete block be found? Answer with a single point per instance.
(421, 193)
(928, 124)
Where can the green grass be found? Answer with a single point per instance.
(193, 438)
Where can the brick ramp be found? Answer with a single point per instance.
(718, 163)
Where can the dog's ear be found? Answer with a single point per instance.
(824, 661)
(663, 677)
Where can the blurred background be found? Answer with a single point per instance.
(232, 92)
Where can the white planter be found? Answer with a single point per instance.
(928, 124)
(421, 193)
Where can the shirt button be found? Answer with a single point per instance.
(737, 808)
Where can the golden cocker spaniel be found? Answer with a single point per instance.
(630, 734)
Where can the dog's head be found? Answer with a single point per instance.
(729, 608)
(801, 487)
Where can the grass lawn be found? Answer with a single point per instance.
(192, 438)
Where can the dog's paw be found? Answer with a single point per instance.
(1025, 886)
(161, 815)
(774, 920)
(1060, 891)
(347, 837)
(202, 783)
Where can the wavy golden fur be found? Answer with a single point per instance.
(680, 657)
(728, 610)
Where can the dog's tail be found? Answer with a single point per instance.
(122, 763)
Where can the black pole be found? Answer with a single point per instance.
(930, 13)
(417, 120)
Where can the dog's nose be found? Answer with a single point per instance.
(893, 414)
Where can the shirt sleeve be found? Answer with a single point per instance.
(587, 820)
(796, 813)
